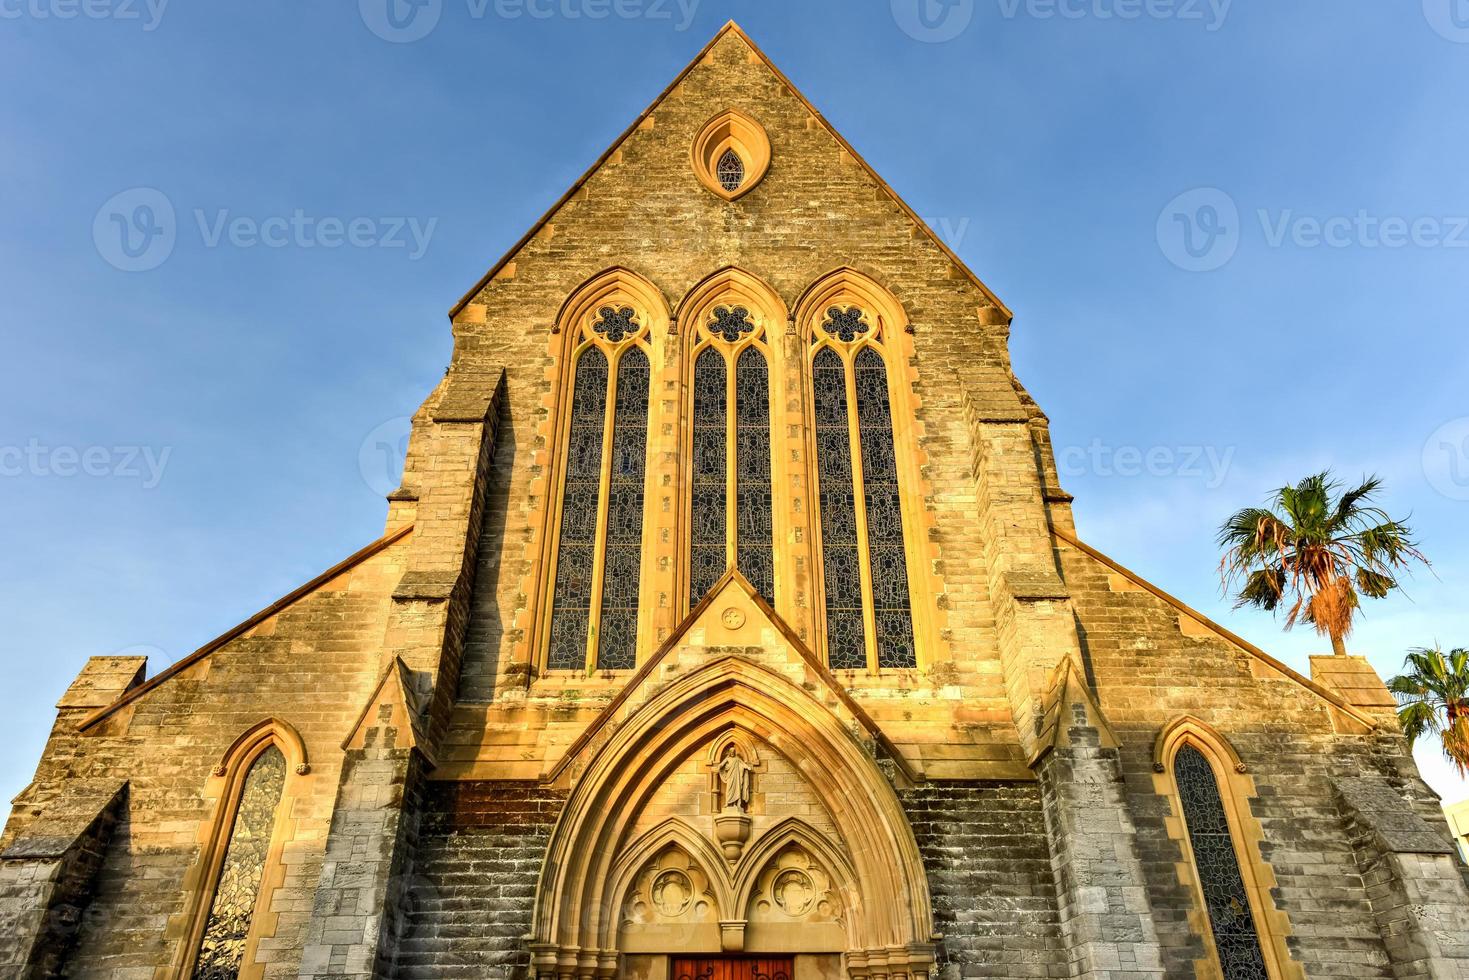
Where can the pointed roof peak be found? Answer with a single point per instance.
(733, 27)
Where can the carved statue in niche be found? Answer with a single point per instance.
(738, 780)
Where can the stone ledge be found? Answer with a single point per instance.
(1391, 819)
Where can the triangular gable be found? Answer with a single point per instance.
(730, 28)
(244, 629)
(1068, 691)
(1353, 715)
(734, 597)
(394, 703)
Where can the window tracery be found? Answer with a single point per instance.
(1216, 862)
(864, 561)
(598, 555)
(731, 510)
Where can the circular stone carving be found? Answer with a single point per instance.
(672, 892)
(733, 618)
(793, 892)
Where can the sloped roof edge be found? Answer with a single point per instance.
(1225, 634)
(275, 607)
(735, 28)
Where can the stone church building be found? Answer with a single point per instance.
(730, 623)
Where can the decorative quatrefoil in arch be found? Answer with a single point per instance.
(846, 325)
(615, 323)
(731, 323)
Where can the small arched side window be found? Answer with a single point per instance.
(236, 892)
(229, 891)
(1219, 837)
(1227, 901)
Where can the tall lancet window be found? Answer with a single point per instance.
(864, 559)
(599, 545)
(236, 887)
(1217, 863)
(731, 522)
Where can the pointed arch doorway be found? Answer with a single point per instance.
(807, 866)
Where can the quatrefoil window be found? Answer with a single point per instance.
(731, 323)
(846, 325)
(616, 323)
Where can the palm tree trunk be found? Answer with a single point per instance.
(1338, 645)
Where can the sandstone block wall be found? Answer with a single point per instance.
(989, 872)
(473, 879)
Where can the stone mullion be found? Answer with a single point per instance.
(859, 506)
(731, 457)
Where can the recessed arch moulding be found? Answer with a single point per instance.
(643, 860)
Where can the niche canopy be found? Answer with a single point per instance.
(731, 154)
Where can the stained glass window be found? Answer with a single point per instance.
(731, 171)
(754, 506)
(708, 555)
(222, 952)
(864, 557)
(846, 645)
(577, 552)
(1225, 897)
(618, 627)
(888, 560)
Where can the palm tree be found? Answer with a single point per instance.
(1318, 549)
(1433, 699)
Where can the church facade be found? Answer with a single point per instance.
(730, 623)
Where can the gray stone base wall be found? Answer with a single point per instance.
(468, 897)
(989, 873)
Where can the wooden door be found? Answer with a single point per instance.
(730, 968)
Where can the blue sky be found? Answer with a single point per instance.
(1235, 235)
